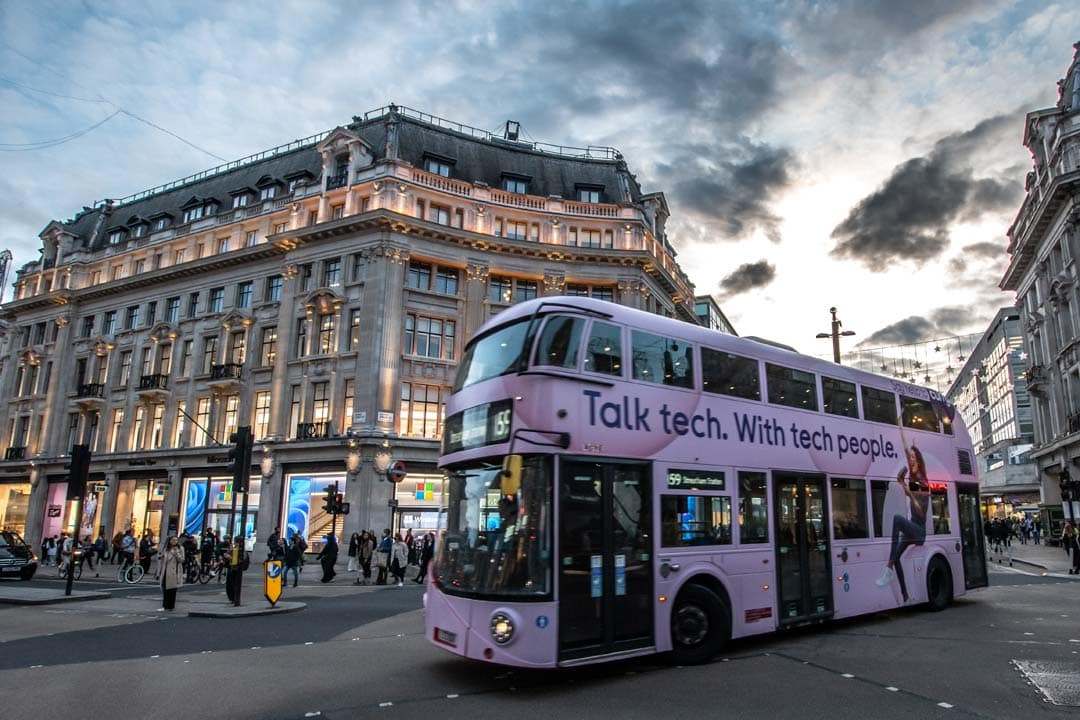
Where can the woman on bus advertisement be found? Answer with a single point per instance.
(910, 529)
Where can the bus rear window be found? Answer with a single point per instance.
(603, 353)
(503, 351)
(791, 387)
(559, 342)
(919, 414)
(729, 374)
(663, 360)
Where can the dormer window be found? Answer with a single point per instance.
(116, 237)
(240, 200)
(515, 184)
(139, 230)
(198, 209)
(268, 193)
(438, 165)
(589, 193)
(162, 222)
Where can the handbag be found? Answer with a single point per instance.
(380, 559)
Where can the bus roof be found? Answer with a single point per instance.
(696, 334)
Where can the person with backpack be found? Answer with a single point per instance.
(274, 549)
(382, 556)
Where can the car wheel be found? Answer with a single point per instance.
(26, 574)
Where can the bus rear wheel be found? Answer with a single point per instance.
(939, 585)
(700, 625)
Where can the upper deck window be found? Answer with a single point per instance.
(603, 353)
(559, 342)
(503, 351)
(729, 374)
(879, 405)
(838, 397)
(663, 360)
(919, 414)
(791, 387)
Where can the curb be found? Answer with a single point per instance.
(242, 612)
(1032, 564)
(79, 597)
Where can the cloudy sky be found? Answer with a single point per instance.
(859, 154)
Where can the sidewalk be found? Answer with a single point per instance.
(1050, 559)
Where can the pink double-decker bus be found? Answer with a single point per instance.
(620, 484)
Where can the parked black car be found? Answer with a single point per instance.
(16, 557)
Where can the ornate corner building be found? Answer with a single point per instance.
(1044, 246)
(320, 292)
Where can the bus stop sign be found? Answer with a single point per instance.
(397, 472)
(273, 573)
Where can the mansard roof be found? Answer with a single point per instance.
(476, 157)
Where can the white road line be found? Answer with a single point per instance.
(890, 688)
(945, 705)
(452, 696)
(36, 666)
(846, 675)
(309, 643)
(314, 713)
(154, 656)
(386, 704)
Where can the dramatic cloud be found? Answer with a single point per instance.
(940, 323)
(732, 194)
(984, 253)
(748, 276)
(908, 217)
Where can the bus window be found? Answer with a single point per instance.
(559, 342)
(603, 353)
(879, 405)
(662, 360)
(939, 508)
(729, 374)
(791, 387)
(753, 509)
(838, 397)
(503, 351)
(849, 509)
(694, 520)
(918, 414)
(878, 490)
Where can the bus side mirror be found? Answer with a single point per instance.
(511, 475)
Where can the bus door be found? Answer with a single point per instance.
(973, 551)
(803, 568)
(605, 560)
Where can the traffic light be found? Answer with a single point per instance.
(240, 457)
(330, 501)
(78, 471)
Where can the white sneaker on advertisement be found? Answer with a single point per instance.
(887, 574)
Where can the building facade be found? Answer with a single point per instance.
(1044, 245)
(710, 315)
(320, 292)
(990, 391)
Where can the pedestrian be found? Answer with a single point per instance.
(88, 554)
(1071, 543)
(128, 546)
(399, 559)
(146, 550)
(172, 572)
(206, 549)
(292, 560)
(44, 550)
(354, 552)
(410, 546)
(1036, 529)
(367, 552)
(101, 548)
(51, 552)
(427, 552)
(328, 557)
(382, 556)
(67, 547)
(117, 547)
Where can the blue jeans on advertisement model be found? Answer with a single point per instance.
(904, 534)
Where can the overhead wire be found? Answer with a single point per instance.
(42, 144)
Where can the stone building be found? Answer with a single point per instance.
(320, 292)
(1044, 245)
(991, 394)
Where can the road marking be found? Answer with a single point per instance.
(36, 666)
(386, 704)
(846, 675)
(890, 688)
(314, 713)
(187, 661)
(452, 696)
(945, 705)
(309, 643)
(256, 647)
(154, 656)
(1029, 633)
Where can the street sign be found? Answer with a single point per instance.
(273, 572)
(101, 487)
(385, 417)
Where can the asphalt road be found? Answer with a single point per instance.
(360, 652)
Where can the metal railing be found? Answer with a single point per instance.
(154, 382)
(335, 181)
(91, 390)
(313, 431)
(226, 371)
(15, 453)
(1074, 422)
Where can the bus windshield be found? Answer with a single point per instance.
(503, 351)
(497, 543)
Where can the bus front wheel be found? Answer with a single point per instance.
(700, 625)
(939, 585)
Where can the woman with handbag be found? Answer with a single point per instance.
(399, 559)
(172, 572)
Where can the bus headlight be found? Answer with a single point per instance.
(502, 628)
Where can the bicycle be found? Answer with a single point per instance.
(130, 573)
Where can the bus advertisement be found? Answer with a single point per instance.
(620, 484)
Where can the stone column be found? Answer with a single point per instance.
(554, 283)
(60, 384)
(476, 277)
(279, 416)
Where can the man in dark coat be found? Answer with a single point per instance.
(328, 557)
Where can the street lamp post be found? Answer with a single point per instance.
(836, 334)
